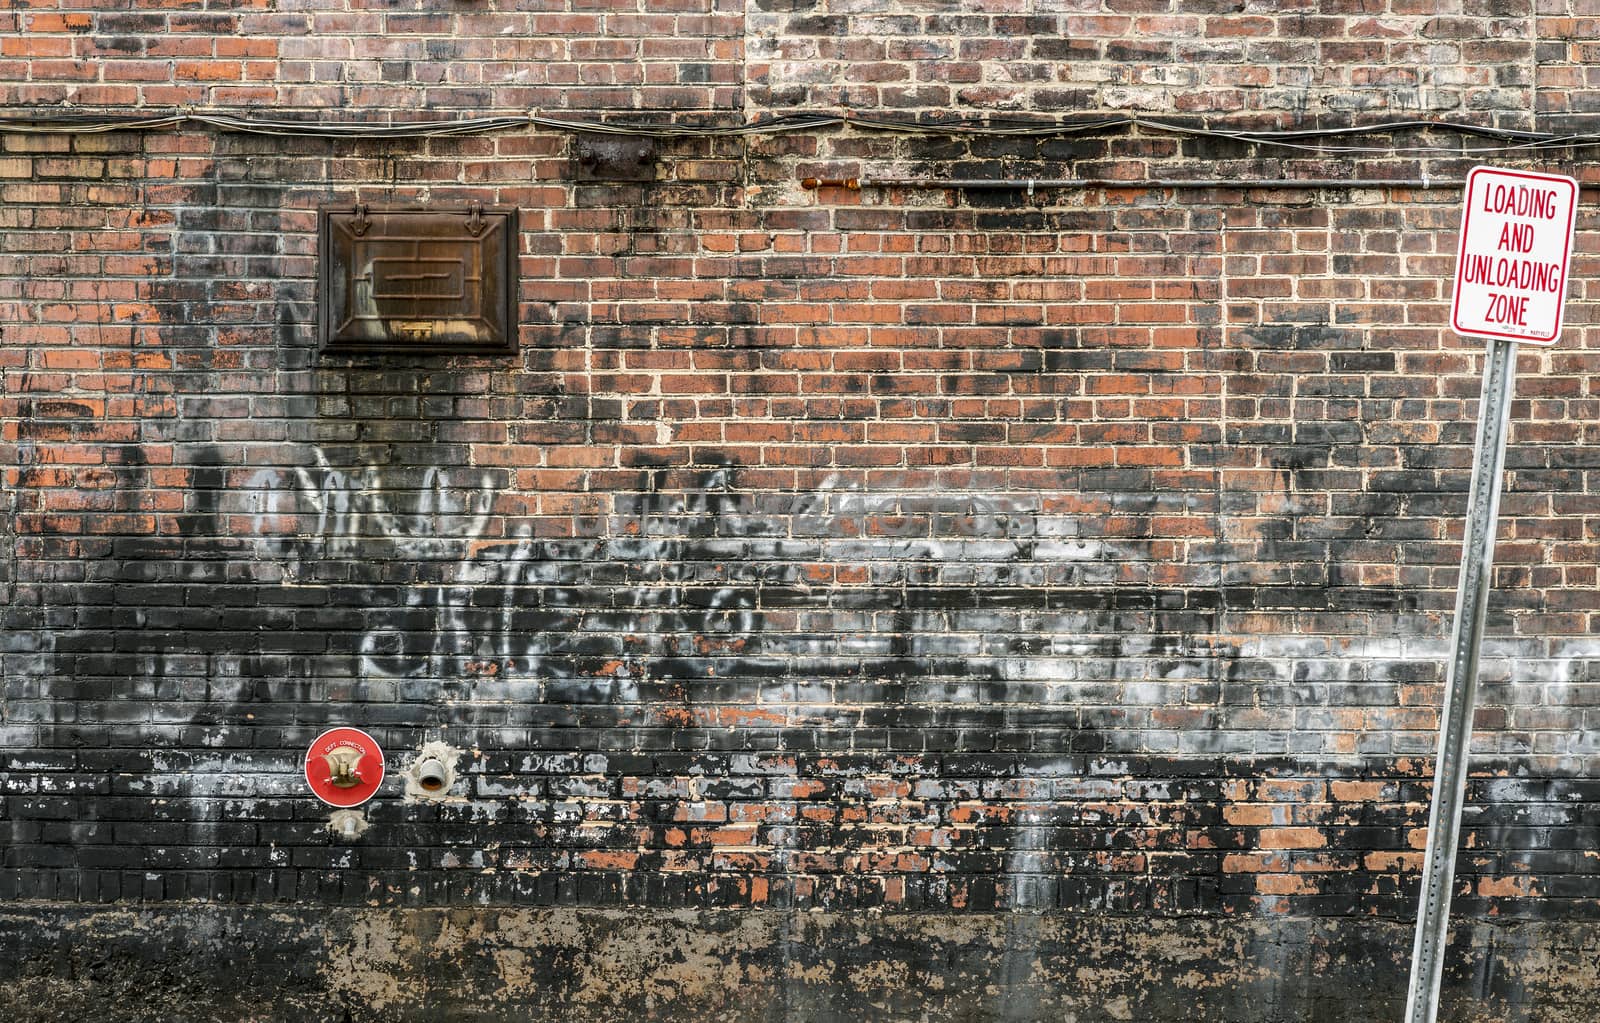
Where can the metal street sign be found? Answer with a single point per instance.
(1511, 282)
(1511, 263)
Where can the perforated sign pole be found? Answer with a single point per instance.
(1511, 283)
(1472, 602)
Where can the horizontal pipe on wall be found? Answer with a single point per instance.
(1030, 184)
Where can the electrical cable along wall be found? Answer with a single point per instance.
(914, 602)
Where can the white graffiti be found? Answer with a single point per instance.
(479, 601)
(426, 532)
(459, 588)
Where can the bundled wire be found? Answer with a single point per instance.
(71, 123)
(1316, 139)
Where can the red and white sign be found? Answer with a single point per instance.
(1516, 244)
(344, 767)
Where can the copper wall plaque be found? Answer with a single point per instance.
(415, 280)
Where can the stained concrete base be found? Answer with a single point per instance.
(200, 962)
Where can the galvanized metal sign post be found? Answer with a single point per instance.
(1511, 285)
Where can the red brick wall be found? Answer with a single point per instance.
(413, 57)
(1284, 63)
(1078, 560)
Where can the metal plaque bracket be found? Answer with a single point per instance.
(599, 157)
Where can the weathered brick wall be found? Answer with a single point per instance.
(1285, 62)
(1063, 575)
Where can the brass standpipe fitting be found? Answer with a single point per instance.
(342, 767)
